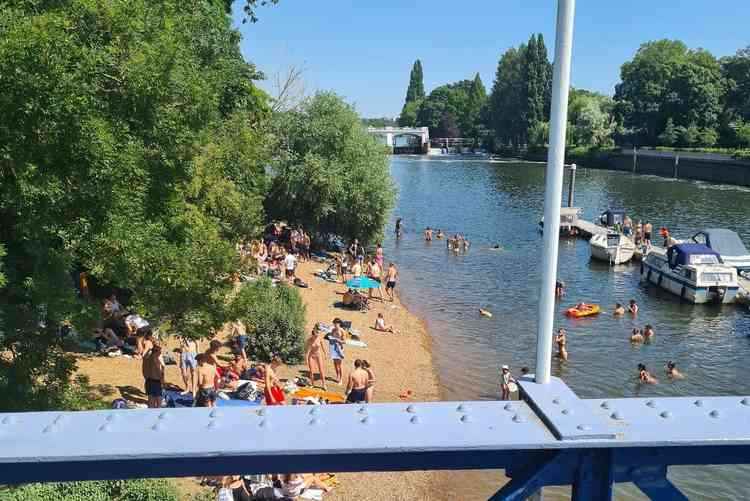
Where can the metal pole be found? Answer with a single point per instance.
(572, 185)
(553, 186)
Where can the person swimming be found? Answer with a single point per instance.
(672, 371)
(619, 310)
(644, 376)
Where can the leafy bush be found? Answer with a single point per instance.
(129, 490)
(329, 175)
(274, 318)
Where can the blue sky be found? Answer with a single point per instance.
(364, 49)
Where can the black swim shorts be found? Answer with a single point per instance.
(153, 388)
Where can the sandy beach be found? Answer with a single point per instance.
(401, 362)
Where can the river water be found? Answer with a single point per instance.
(501, 203)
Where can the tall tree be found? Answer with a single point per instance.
(132, 148)
(505, 108)
(476, 102)
(414, 96)
(415, 92)
(666, 80)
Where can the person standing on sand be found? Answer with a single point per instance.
(505, 379)
(370, 381)
(380, 256)
(375, 272)
(336, 346)
(206, 395)
(188, 364)
(153, 374)
(356, 385)
(561, 341)
(273, 392)
(357, 268)
(315, 352)
(390, 280)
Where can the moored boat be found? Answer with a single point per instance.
(612, 247)
(728, 244)
(692, 271)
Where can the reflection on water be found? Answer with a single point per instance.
(501, 203)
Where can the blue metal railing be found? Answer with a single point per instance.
(550, 438)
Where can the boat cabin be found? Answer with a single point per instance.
(691, 254)
(612, 217)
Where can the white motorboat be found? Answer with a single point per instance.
(692, 271)
(728, 244)
(612, 247)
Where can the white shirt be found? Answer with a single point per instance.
(290, 261)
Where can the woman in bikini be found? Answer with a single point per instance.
(315, 351)
(562, 341)
(370, 381)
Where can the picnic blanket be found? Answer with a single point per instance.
(176, 399)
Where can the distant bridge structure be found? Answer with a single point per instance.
(403, 140)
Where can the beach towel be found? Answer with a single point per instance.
(174, 398)
(356, 343)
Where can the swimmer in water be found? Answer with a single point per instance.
(644, 376)
(648, 331)
(672, 371)
(561, 340)
(636, 336)
(619, 310)
(633, 308)
(559, 288)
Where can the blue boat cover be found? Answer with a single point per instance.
(680, 253)
(725, 242)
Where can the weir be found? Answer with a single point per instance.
(549, 437)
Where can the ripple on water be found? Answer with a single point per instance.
(501, 203)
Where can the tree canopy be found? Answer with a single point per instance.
(329, 174)
(518, 105)
(414, 96)
(667, 80)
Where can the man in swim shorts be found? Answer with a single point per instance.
(206, 396)
(153, 374)
(390, 280)
(356, 386)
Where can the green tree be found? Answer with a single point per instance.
(133, 147)
(504, 113)
(130, 490)
(414, 96)
(665, 80)
(591, 123)
(329, 174)
(669, 135)
(274, 318)
(477, 101)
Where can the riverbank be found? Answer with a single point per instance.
(402, 362)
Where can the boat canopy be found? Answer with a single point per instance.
(613, 216)
(683, 254)
(725, 242)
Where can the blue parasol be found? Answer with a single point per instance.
(362, 283)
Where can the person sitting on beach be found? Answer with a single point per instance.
(428, 234)
(381, 326)
(672, 371)
(619, 310)
(636, 336)
(356, 385)
(293, 485)
(644, 376)
(561, 341)
(633, 307)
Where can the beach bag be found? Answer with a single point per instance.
(247, 391)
